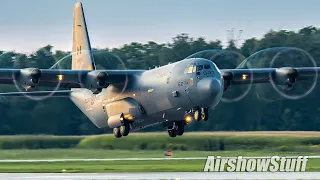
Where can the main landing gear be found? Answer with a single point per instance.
(176, 129)
(122, 130)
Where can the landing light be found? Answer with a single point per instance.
(244, 76)
(128, 117)
(60, 77)
(188, 119)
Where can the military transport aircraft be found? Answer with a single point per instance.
(171, 95)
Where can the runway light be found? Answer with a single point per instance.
(244, 76)
(60, 77)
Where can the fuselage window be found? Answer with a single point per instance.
(207, 66)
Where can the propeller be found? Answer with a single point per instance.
(284, 79)
(27, 79)
(96, 80)
(106, 60)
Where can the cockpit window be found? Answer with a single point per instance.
(199, 67)
(207, 66)
(190, 69)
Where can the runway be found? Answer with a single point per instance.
(153, 176)
(132, 159)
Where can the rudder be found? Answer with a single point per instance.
(82, 58)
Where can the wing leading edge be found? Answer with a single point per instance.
(280, 76)
(65, 78)
(36, 94)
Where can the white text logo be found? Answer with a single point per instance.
(258, 164)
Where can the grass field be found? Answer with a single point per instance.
(120, 166)
(123, 166)
(151, 145)
(99, 153)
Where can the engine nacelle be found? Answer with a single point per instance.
(127, 109)
(28, 77)
(227, 76)
(285, 77)
(95, 81)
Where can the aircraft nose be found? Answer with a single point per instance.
(208, 90)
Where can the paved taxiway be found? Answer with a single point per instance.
(171, 175)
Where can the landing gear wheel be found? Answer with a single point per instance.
(125, 129)
(180, 128)
(116, 132)
(196, 115)
(204, 114)
(172, 132)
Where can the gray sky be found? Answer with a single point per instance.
(27, 25)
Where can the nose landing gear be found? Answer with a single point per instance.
(196, 114)
(204, 114)
(200, 113)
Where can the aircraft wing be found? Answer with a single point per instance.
(35, 94)
(279, 76)
(91, 79)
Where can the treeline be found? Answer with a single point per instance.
(261, 109)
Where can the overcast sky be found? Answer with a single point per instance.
(26, 25)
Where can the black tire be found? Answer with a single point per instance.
(172, 132)
(125, 129)
(196, 115)
(180, 128)
(116, 132)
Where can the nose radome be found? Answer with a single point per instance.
(208, 90)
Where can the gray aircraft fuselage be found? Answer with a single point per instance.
(163, 94)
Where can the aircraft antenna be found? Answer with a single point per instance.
(232, 37)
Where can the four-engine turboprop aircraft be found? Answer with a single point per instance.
(171, 95)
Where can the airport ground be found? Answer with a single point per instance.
(122, 165)
(150, 145)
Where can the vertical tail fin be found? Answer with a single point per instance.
(82, 58)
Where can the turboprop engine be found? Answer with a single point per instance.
(95, 81)
(285, 77)
(28, 77)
